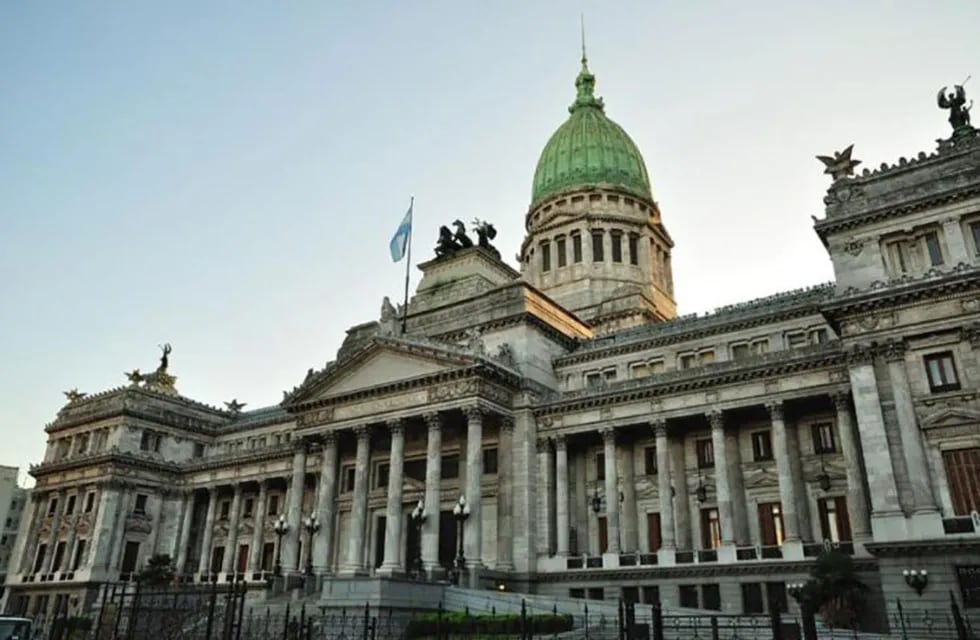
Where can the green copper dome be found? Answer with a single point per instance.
(589, 149)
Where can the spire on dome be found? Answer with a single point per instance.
(585, 83)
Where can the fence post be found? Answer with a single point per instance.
(808, 618)
(285, 623)
(439, 622)
(241, 610)
(525, 631)
(134, 613)
(901, 619)
(775, 619)
(586, 616)
(367, 620)
(619, 620)
(961, 633)
(212, 601)
(98, 624)
(119, 609)
(658, 622)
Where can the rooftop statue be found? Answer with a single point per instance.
(235, 406)
(840, 165)
(450, 242)
(74, 395)
(955, 101)
(485, 232)
(164, 359)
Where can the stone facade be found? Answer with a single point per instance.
(12, 501)
(703, 460)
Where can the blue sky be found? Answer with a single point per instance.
(225, 176)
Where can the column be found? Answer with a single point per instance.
(126, 498)
(630, 521)
(924, 509)
(505, 498)
(106, 522)
(433, 495)
(887, 520)
(857, 501)
(665, 492)
(545, 490)
(294, 510)
(26, 543)
(204, 565)
(682, 494)
(723, 493)
(326, 507)
(392, 562)
(258, 529)
(358, 519)
(231, 542)
(180, 546)
(473, 527)
(562, 523)
(787, 489)
(737, 482)
(612, 490)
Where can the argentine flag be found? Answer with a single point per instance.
(399, 241)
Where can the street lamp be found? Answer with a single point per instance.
(918, 580)
(701, 493)
(460, 512)
(281, 527)
(418, 518)
(312, 526)
(596, 500)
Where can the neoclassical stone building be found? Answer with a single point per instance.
(604, 446)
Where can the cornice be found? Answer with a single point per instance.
(125, 459)
(932, 285)
(783, 306)
(914, 548)
(702, 570)
(236, 458)
(777, 363)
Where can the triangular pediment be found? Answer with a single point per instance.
(950, 417)
(385, 361)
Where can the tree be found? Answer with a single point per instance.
(837, 593)
(159, 570)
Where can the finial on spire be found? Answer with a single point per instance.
(585, 59)
(585, 82)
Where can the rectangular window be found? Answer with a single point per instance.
(603, 534)
(933, 249)
(140, 506)
(131, 554)
(59, 555)
(761, 446)
(42, 550)
(52, 506)
(268, 553)
(711, 597)
(835, 525)
(710, 529)
(963, 475)
(651, 594)
(617, 246)
(650, 460)
(381, 476)
(975, 234)
(546, 256)
(490, 461)
(597, 593)
(593, 380)
(795, 339)
(576, 593)
(415, 469)
(817, 336)
(740, 351)
(150, 441)
(653, 532)
(249, 507)
(349, 475)
(942, 372)
(560, 251)
(823, 438)
(685, 361)
(770, 524)
(198, 450)
(752, 598)
(656, 366)
(79, 554)
(634, 254)
(273, 509)
(576, 247)
(450, 466)
(705, 449)
(609, 375)
(706, 357)
(760, 346)
(639, 370)
(224, 509)
(896, 252)
(70, 505)
(688, 596)
(600, 466)
(631, 594)
(597, 249)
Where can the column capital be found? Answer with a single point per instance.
(474, 413)
(775, 409)
(859, 355)
(841, 400)
(659, 428)
(608, 435)
(396, 427)
(362, 431)
(894, 351)
(300, 445)
(329, 438)
(507, 424)
(543, 445)
(561, 443)
(972, 333)
(716, 419)
(433, 420)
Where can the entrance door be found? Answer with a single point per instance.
(242, 563)
(447, 539)
(379, 541)
(653, 532)
(603, 535)
(413, 545)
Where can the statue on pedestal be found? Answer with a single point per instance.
(955, 101)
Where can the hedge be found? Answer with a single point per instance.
(431, 624)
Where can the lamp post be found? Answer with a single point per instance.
(460, 512)
(312, 526)
(281, 527)
(701, 493)
(418, 519)
(803, 594)
(918, 580)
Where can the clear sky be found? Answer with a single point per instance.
(226, 176)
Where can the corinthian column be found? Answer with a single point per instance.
(665, 490)
(612, 490)
(473, 536)
(358, 518)
(562, 522)
(433, 483)
(392, 562)
(204, 563)
(505, 498)
(326, 507)
(857, 501)
(258, 529)
(231, 542)
(722, 489)
(787, 489)
(294, 512)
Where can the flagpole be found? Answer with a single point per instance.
(408, 264)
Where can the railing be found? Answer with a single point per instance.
(962, 524)
(814, 549)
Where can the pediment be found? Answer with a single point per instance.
(384, 362)
(950, 417)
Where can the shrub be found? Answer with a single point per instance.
(452, 623)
